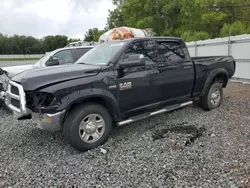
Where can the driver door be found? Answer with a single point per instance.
(139, 87)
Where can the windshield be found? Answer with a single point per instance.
(101, 54)
(40, 61)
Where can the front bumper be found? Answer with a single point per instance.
(16, 101)
(49, 122)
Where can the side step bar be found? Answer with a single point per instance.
(146, 115)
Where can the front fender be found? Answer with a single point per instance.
(211, 76)
(81, 95)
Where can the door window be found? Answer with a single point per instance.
(170, 51)
(81, 51)
(147, 48)
(65, 57)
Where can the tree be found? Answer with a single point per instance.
(189, 36)
(165, 17)
(73, 40)
(235, 9)
(114, 19)
(145, 14)
(51, 43)
(236, 28)
(213, 22)
(17, 44)
(248, 30)
(194, 19)
(93, 34)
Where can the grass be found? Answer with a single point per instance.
(18, 59)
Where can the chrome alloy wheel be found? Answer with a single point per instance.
(215, 97)
(91, 128)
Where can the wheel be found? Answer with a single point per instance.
(87, 126)
(213, 97)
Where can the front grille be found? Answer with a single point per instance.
(15, 98)
(15, 103)
(14, 90)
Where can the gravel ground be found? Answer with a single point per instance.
(16, 63)
(185, 148)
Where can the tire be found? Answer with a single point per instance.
(80, 127)
(213, 97)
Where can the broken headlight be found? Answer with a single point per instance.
(40, 100)
(4, 79)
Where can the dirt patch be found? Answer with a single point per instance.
(182, 128)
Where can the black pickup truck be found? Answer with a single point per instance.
(117, 83)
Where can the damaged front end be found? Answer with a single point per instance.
(41, 102)
(35, 105)
(4, 79)
(2, 92)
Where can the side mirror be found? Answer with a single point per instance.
(133, 61)
(53, 61)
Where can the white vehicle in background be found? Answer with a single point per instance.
(61, 56)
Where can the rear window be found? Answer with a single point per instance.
(171, 51)
(81, 51)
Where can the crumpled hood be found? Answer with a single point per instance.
(36, 78)
(14, 70)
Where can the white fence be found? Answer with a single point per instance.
(21, 56)
(237, 46)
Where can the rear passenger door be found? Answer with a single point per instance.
(176, 69)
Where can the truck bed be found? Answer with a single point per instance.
(213, 62)
(205, 65)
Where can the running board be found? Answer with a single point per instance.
(146, 115)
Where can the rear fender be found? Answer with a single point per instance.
(211, 77)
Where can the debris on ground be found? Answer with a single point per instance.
(104, 151)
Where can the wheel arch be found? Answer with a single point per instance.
(217, 75)
(98, 96)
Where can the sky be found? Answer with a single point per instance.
(39, 18)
